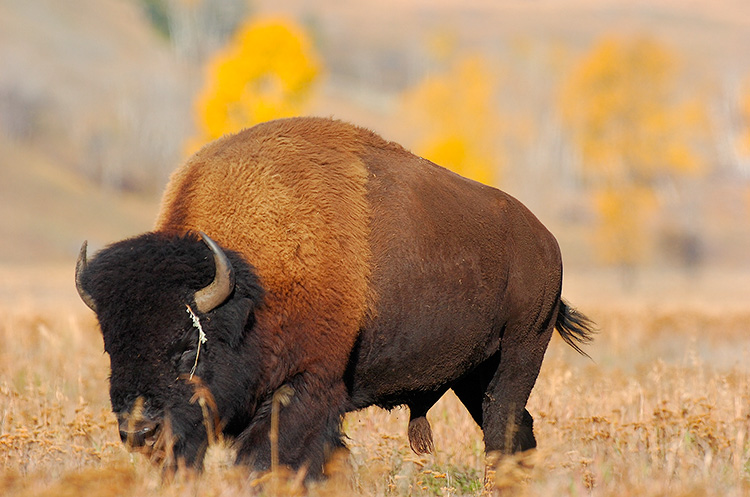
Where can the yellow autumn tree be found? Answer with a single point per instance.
(266, 71)
(635, 129)
(455, 118)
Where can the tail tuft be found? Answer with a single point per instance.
(420, 436)
(574, 327)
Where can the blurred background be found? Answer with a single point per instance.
(623, 124)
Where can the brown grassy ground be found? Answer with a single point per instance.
(663, 409)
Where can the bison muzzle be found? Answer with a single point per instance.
(313, 256)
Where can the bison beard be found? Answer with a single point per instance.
(346, 272)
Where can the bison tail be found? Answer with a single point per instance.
(574, 327)
(420, 436)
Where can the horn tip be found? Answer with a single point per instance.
(81, 265)
(81, 262)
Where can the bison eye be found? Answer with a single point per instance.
(186, 360)
(185, 349)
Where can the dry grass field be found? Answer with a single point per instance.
(662, 409)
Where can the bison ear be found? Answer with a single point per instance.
(237, 318)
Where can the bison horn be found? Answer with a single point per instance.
(222, 286)
(81, 265)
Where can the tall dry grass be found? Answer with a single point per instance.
(663, 409)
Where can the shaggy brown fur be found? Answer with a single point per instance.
(290, 196)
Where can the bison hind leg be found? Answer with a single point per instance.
(420, 435)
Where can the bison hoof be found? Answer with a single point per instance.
(420, 436)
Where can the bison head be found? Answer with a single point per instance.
(174, 312)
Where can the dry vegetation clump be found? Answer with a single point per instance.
(663, 409)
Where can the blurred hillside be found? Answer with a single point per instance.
(93, 105)
(93, 85)
(97, 105)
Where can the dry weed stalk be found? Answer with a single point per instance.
(280, 480)
(211, 420)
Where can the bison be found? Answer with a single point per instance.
(312, 256)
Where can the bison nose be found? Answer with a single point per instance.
(138, 433)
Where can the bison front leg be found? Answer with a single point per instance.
(300, 426)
